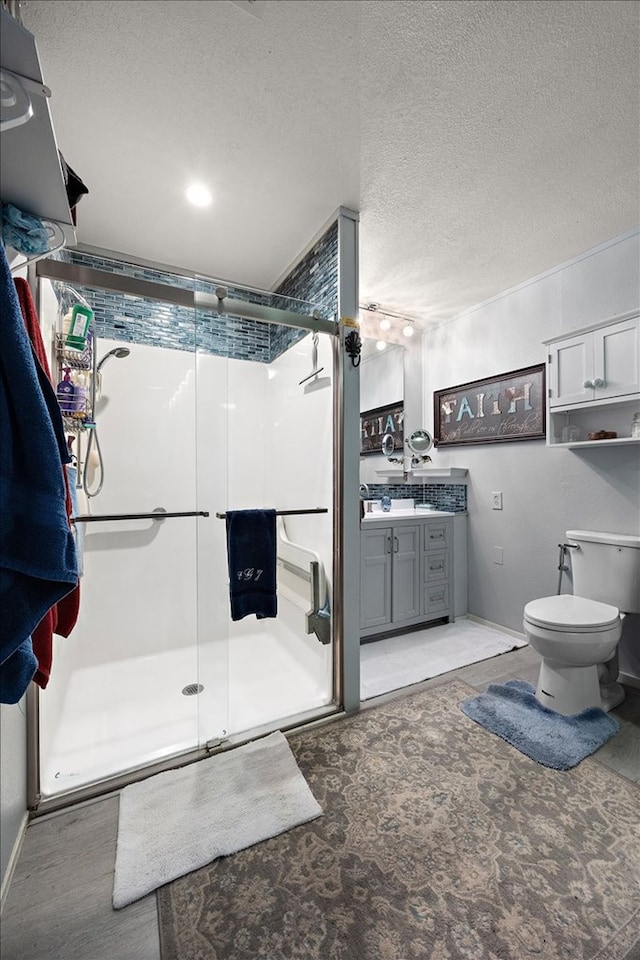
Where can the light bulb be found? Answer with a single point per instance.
(381, 345)
(385, 323)
(408, 330)
(198, 195)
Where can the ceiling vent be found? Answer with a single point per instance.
(254, 7)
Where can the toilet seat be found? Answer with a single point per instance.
(567, 613)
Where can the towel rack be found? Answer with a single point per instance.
(156, 515)
(286, 513)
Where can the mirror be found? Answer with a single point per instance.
(381, 375)
(420, 442)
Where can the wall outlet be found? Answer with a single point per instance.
(496, 500)
(497, 555)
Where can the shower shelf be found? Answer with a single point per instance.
(76, 359)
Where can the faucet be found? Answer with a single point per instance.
(364, 491)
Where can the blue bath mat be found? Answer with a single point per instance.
(552, 739)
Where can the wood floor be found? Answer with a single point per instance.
(59, 903)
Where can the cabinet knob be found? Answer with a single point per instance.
(598, 382)
(589, 383)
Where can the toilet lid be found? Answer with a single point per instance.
(569, 613)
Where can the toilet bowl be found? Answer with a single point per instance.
(573, 635)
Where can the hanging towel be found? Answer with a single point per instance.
(37, 552)
(251, 552)
(62, 617)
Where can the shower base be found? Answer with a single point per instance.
(119, 716)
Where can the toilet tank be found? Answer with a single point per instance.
(606, 567)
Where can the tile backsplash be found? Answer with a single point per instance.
(444, 496)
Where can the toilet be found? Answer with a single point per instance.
(577, 634)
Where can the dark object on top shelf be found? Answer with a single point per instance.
(602, 435)
(74, 186)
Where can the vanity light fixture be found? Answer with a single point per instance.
(385, 323)
(381, 345)
(198, 195)
(408, 330)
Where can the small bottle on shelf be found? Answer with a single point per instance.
(65, 392)
(635, 426)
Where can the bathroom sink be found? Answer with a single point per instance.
(401, 513)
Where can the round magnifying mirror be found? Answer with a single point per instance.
(420, 442)
(387, 445)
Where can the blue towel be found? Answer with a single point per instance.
(251, 552)
(16, 673)
(38, 563)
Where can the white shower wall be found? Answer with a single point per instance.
(188, 432)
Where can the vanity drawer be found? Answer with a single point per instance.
(436, 566)
(436, 599)
(437, 535)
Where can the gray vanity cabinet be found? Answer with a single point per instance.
(405, 574)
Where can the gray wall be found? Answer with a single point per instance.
(13, 778)
(545, 491)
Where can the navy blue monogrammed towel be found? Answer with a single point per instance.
(251, 551)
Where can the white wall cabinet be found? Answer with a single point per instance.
(405, 573)
(593, 379)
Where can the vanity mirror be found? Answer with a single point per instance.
(420, 442)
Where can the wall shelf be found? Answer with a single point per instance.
(31, 173)
(435, 473)
(583, 444)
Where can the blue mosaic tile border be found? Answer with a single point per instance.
(154, 323)
(313, 280)
(444, 496)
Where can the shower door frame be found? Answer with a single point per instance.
(88, 276)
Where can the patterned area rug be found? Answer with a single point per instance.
(439, 841)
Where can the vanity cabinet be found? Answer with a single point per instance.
(593, 379)
(405, 573)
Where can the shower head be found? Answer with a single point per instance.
(118, 352)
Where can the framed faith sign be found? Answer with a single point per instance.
(510, 406)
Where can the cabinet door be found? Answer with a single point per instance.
(617, 359)
(375, 577)
(570, 367)
(406, 573)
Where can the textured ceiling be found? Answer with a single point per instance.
(483, 142)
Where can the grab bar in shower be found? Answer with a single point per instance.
(285, 513)
(156, 515)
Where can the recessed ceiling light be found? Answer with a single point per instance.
(198, 195)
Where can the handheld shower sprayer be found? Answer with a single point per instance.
(94, 440)
(118, 352)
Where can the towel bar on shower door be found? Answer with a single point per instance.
(158, 514)
(286, 513)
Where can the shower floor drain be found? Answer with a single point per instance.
(192, 688)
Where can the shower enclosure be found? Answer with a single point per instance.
(217, 406)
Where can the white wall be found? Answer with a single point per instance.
(545, 491)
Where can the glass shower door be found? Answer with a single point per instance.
(265, 440)
(123, 691)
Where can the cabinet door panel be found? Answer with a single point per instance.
(375, 577)
(570, 365)
(617, 359)
(406, 573)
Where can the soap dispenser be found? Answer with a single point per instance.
(65, 392)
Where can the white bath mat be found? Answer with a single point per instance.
(397, 662)
(180, 820)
